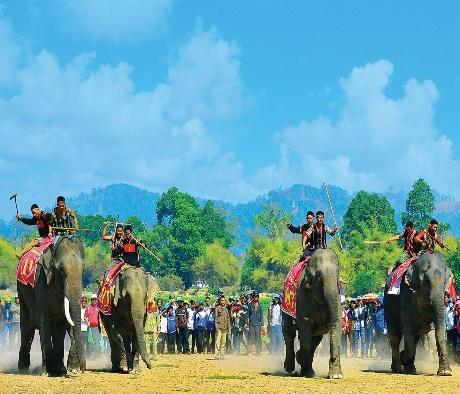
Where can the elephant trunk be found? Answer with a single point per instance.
(332, 296)
(437, 302)
(138, 322)
(73, 295)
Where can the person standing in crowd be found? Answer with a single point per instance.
(16, 332)
(207, 305)
(256, 323)
(451, 329)
(163, 336)
(191, 325)
(200, 318)
(235, 321)
(369, 328)
(171, 327)
(345, 329)
(381, 340)
(150, 330)
(8, 323)
(222, 322)
(211, 331)
(182, 327)
(275, 322)
(92, 319)
(84, 324)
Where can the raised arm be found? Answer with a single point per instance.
(294, 229)
(29, 222)
(395, 238)
(104, 235)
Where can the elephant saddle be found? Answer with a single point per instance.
(398, 273)
(27, 267)
(105, 292)
(289, 299)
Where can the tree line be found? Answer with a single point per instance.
(197, 243)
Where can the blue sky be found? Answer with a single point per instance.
(227, 99)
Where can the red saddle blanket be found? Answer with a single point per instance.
(289, 299)
(27, 267)
(104, 293)
(398, 273)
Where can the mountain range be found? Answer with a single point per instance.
(127, 200)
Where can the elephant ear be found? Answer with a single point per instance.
(308, 278)
(45, 262)
(152, 287)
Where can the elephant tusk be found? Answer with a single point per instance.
(67, 311)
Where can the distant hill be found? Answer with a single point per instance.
(121, 198)
(128, 200)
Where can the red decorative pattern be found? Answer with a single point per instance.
(104, 294)
(27, 267)
(289, 299)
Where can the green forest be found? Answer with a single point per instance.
(197, 242)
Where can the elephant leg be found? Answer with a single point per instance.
(58, 335)
(73, 360)
(395, 340)
(307, 369)
(408, 355)
(127, 343)
(27, 337)
(117, 351)
(305, 351)
(27, 325)
(289, 333)
(335, 369)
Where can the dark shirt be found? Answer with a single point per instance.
(117, 248)
(42, 226)
(255, 314)
(300, 230)
(131, 251)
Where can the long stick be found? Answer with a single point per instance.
(333, 214)
(71, 229)
(146, 249)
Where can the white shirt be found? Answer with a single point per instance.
(449, 318)
(163, 324)
(190, 321)
(276, 315)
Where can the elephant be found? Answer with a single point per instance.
(318, 313)
(419, 305)
(125, 325)
(53, 306)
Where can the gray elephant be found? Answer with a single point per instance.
(53, 306)
(125, 325)
(318, 313)
(419, 305)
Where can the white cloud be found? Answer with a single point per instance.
(116, 20)
(74, 126)
(376, 142)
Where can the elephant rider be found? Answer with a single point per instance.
(317, 233)
(64, 218)
(408, 236)
(42, 221)
(116, 241)
(426, 240)
(131, 247)
(303, 231)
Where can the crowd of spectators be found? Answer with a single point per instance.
(233, 326)
(224, 327)
(365, 334)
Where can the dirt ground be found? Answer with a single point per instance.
(235, 374)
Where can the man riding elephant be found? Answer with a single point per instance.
(311, 303)
(420, 303)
